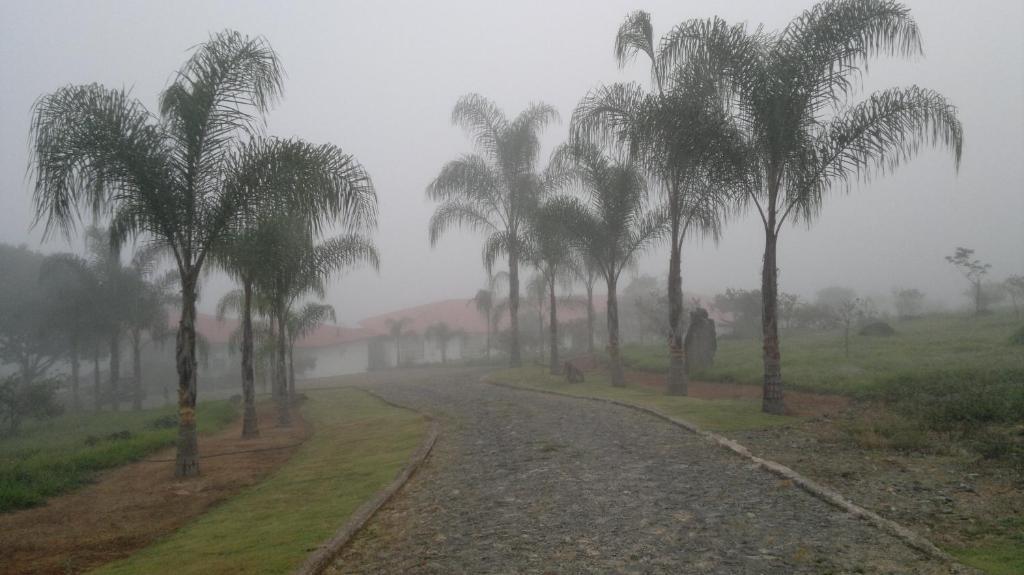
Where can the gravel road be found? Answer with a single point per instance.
(522, 482)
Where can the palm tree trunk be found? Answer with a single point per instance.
(284, 416)
(553, 327)
(115, 369)
(590, 318)
(250, 424)
(487, 320)
(773, 399)
(398, 351)
(96, 391)
(75, 375)
(291, 373)
(514, 355)
(614, 357)
(137, 369)
(187, 459)
(677, 380)
(540, 328)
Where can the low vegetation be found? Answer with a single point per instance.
(710, 414)
(53, 456)
(359, 445)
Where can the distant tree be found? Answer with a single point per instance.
(29, 326)
(645, 308)
(302, 323)
(484, 303)
(443, 334)
(495, 190)
(552, 253)
(974, 270)
(1015, 289)
(537, 295)
(847, 311)
(744, 308)
(908, 302)
(788, 304)
(789, 96)
(396, 327)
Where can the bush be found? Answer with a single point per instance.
(877, 328)
(1018, 336)
(20, 400)
(953, 400)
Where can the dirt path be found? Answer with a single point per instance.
(131, 506)
(522, 482)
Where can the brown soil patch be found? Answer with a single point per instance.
(800, 403)
(131, 506)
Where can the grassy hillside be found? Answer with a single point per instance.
(53, 456)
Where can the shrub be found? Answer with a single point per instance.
(20, 400)
(1018, 336)
(877, 328)
(952, 400)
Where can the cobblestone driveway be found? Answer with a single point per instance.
(522, 482)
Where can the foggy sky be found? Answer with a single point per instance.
(379, 79)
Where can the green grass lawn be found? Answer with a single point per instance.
(815, 361)
(359, 445)
(53, 456)
(710, 414)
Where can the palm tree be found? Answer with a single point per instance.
(494, 190)
(484, 302)
(166, 177)
(679, 132)
(145, 306)
(555, 261)
(295, 266)
(283, 174)
(442, 333)
(245, 303)
(395, 328)
(301, 324)
(611, 226)
(790, 94)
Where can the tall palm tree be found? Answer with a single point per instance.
(244, 303)
(296, 265)
(611, 226)
(166, 177)
(494, 190)
(789, 91)
(680, 133)
(303, 323)
(555, 261)
(283, 174)
(396, 328)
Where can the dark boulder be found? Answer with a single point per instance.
(877, 328)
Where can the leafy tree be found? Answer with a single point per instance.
(612, 225)
(27, 316)
(396, 327)
(495, 190)
(908, 302)
(681, 134)
(975, 271)
(165, 177)
(744, 307)
(1015, 289)
(789, 94)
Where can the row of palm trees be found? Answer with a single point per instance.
(201, 182)
(734, 119)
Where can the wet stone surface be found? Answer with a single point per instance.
(521, 482)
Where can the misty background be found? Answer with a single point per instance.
(380, 79)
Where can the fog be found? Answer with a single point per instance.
(380, 79)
